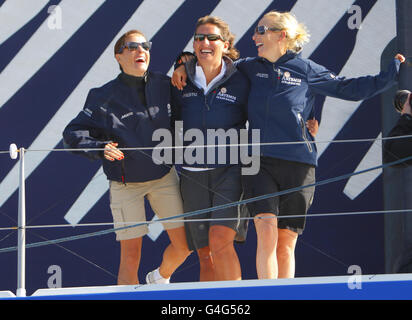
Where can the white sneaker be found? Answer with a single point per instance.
(154, 277)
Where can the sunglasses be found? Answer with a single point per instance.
(132, 46)
(262, 29)
(210, 37)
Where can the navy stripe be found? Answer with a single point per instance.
(245, 44)
(2, 2)
(40, 98)
(177, 32)
(354, 129)
(10, 47)
(341, 158)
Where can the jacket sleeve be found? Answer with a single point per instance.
(88, 130)
(175, 106)
(324, 82)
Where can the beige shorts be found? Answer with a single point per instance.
(128, 207)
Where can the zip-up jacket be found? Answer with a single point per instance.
(282, 98)
(223, 108)
(116, 113)
(396, 149)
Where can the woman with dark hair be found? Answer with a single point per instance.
(215, 98)
(124, 113)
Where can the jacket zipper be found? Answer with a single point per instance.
(123, 172)
(304, 136)
(147, 93)
(275, 85)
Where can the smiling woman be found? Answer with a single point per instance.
(281, 26)
(121, 115)
(215, 98)
(135, 60)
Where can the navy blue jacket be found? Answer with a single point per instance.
(282, 97)
(115, 113)
(223, 107)
(396, 149)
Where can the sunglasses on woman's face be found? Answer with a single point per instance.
(210, 37)
(132, 46)
(262, 29)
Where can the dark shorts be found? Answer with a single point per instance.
(278, 175)
(205, 189)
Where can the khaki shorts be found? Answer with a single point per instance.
(128, 207)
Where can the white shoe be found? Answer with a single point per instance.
(154, 277)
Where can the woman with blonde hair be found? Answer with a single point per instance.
(281, 100)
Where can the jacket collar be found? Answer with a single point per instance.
(286, 57)
(230, 70)
(132, 81)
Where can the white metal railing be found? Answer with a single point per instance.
(21, 224)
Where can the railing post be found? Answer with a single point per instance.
(21, 260)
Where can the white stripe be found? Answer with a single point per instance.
(15, 14)
(43, 45)
(357, 184)
(155, 229)
(239, 15)
(306, 11)
(364, 60)
(89, 196)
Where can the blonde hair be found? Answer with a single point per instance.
(232, 52)
(296, 33)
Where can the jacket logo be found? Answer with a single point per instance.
(127, 115)
(287, 79)
(88, 112)
(222, 95)
(190, 94)
(262, 75)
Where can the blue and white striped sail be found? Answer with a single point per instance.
(53, 52)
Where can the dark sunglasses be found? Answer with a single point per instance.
(262, 29)
(132, 46)
(210, 37)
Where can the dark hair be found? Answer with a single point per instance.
(121, 41)
(232, 52)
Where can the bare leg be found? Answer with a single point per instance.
(130, 253)
(225, 259)
(175, 253)
(207, 268)
(267, 236)
(286, 253)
